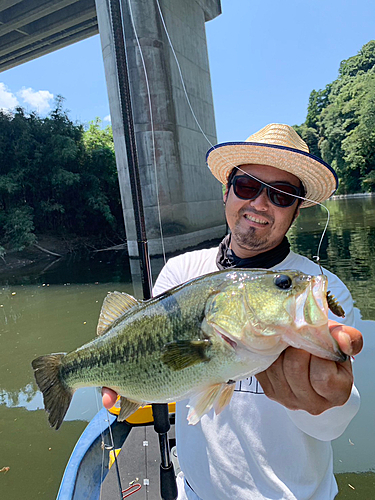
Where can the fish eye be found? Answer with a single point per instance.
(283, 281)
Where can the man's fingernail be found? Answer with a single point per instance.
(345, 343)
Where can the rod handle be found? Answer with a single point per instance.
(161, 418)
(168, 485)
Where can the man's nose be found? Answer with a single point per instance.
(261, 202)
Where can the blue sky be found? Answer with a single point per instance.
(265, 58)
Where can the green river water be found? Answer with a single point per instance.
(57, 310)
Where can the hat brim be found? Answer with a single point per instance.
(318, 178)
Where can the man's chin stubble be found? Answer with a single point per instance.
(250, 241)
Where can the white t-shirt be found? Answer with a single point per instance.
(256, 448)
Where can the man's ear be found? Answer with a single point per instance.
(296, 214)
(225, 195)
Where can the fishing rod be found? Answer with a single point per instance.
(168, 487)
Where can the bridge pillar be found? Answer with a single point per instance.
(190, 198)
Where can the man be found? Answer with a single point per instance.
(273, 440)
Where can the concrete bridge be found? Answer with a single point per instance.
(190, 198)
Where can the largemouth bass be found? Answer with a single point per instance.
(193, 341)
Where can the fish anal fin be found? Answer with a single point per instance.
(127, 408)
(224, 396)
(202, 402)
(180, 354)
(215, 396)
(115, 305)
(56, 395)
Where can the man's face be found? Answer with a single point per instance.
(258, 225)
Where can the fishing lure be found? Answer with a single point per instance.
(334, 306)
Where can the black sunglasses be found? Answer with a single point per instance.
(247, 188)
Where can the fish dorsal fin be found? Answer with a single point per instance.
(115, 305)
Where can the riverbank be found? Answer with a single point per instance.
(353, 195)
(47, 250)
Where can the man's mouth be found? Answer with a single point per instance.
(255, 219)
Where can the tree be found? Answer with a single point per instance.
(340, 122)
(55, 177)
(318, 100)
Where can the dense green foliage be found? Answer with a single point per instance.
(340, 122)
(56, 178)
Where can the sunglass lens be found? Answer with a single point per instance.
(246, 187)
(283, 199)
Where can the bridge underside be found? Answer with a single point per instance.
(33, 28)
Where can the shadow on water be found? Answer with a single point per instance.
(108, 266)
(57, 309)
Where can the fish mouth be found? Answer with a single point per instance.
(317, 341)
(309, 311)
(227, 339)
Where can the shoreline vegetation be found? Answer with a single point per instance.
(57, 178)
(351, 195)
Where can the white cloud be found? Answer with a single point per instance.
(8, 100)
(107, 118)
(38, 100)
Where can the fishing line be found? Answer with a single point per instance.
(180, 73)
(103, 445)
(152, 127)
(114, 455)
(116, 22)
(317, 257)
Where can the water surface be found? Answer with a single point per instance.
(57, 310)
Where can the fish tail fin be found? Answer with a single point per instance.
(56, 395)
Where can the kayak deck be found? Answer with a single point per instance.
(91, 473)
(139, 464)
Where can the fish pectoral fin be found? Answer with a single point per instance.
(215, 396)
(224, 396)
(115, 305)
(180, 354)
(127, 408)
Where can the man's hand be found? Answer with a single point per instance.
(301, 381)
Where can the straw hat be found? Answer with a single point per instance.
(278, 146)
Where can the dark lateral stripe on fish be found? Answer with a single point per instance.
(81, 363)
(90, 360)
(86, 360)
